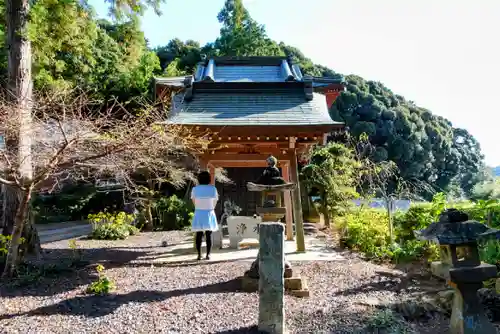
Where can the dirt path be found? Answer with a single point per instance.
(201, 297)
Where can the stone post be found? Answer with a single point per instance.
(271, 278)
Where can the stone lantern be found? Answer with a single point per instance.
(459, 237)
(271, 186)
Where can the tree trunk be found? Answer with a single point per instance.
(149, 226)
(19, 79)
(13, 254)
(11, 200)
(31, 244)
(325, 211)
(19, 85)
(388, 206)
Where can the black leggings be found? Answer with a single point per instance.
(208, 239)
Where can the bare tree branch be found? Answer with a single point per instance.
(75, 138)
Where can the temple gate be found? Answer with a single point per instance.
(253, 107)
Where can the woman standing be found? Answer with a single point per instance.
(204, 197)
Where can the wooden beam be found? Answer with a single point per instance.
(264, 131)
(247, 163)
(215, 141)
(282, 150)
(221, 156)
(235, 151)
(297, 205)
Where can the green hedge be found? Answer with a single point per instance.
(172, 213)
(367, 230)
(112, 226)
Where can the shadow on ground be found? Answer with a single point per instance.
(62, 270)
(98, 306)
(398, 282)
(242, 330)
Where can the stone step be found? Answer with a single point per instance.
(310, 228)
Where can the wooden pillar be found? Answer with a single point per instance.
(288, 204)
(203, 163)
(297, 205)
(211, 169)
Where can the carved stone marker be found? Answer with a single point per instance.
(271, 278)
(240, 228)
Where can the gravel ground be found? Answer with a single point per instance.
(194, 297)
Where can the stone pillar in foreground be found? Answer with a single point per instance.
(271, 278)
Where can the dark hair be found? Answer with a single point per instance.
(204, 178)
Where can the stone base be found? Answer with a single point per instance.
(441, 270)
(295, 286)
(253, 272)
(299, 293)
(248, 243)
(295, 283)
(468, 315)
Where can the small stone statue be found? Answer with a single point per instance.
(271, 175)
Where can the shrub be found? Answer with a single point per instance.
(4, 248)
(486, 211)
(366, 230)
(4, 244)
(387, 321)
(108, 226)
(68, 204)
(172, 213)
(103, 285)
(487, 190)
(418, 217)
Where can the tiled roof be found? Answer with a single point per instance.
(248, 74)
(250, 91)
(247, 69)
(267, 108)
(171, 81)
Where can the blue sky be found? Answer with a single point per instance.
(444, 55)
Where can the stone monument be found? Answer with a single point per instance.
(271, 278)
(272, 185)
(467, 273)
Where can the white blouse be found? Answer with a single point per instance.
(204, 197)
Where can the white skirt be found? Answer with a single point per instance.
(204, 220)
